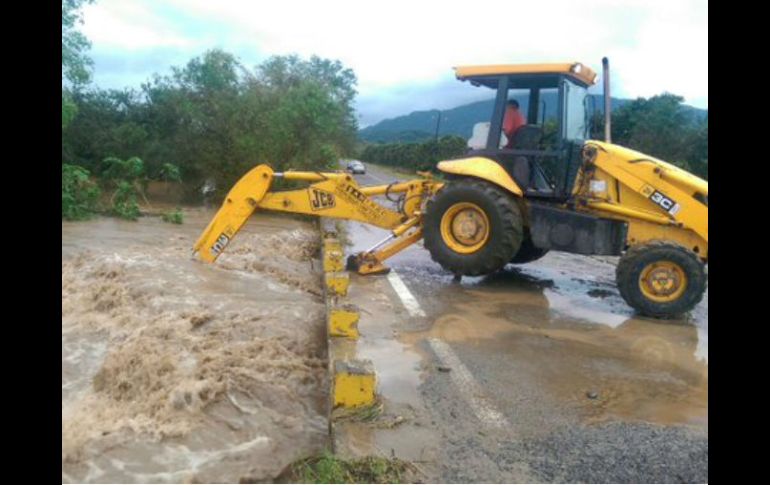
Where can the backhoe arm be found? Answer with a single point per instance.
(330, 194)
(239, 204)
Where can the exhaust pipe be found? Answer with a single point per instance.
(607, 101)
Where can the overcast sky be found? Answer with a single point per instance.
(403, 51)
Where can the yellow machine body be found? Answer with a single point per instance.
(661, 204)
(482, 168)
(658, 200)
(618, 183)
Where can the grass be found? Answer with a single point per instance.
(358, 413)
(328, 468)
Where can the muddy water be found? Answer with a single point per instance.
(587, 352)
(177, 371)
(560, 324)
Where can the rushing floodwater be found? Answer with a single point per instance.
(178, 371)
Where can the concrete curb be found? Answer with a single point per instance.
(353, 382)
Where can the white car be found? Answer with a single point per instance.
(356, 167)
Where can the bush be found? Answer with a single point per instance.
(415, 156)
(213, 119)
(174, 217)
(170, 173)
(124, 202)
(115, 169)
(79, 195)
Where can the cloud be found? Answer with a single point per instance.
(400, 49)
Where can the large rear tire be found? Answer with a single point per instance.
(661, 279)
(472, 227)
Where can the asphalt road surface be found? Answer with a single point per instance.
(539, 373)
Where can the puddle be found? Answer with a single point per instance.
(575, 345)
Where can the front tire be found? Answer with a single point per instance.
(661, 279)
(472, 227)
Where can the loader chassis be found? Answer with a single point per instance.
(512, 205)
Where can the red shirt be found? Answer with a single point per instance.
(512, 121)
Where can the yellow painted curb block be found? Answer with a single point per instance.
(354, 383)
(343, 321)
(331, 243)
(337, 283)
(334, 259)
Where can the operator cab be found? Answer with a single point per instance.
(543, 155)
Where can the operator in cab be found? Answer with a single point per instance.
(512, 121)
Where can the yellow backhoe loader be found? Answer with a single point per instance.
(548, 187)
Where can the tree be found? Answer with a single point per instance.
(659, 126)
(214, 119)
(75, 65)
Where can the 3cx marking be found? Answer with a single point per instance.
(667, 204)
(320, 200)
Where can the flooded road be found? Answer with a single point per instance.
(178, 371)
(538, 373)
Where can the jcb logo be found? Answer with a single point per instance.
(667, 204)
(219, 246)
(321, 200)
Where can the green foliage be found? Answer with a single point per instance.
(79, 195)
(170, 173)
(660, 127)
(214, 119)
(75, 65)
(415, 156)
(117, 170)
(68, 109)
(328, 468)
(175, 217)
(124, 178)
(124, 201)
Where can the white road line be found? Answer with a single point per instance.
(481, 406)
(409, 301)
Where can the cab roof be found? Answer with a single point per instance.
(575, 70)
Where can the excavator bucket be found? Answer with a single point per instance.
(237, 207)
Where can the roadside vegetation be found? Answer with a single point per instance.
(202, 125)
(414, 156)
(328, 468)
(661, 127)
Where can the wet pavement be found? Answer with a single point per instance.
(538, 373)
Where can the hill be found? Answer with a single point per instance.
(421, 125)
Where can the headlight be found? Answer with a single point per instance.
(577, 68)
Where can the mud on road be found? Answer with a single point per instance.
(177, 371)
(538, 373)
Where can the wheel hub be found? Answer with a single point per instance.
(468, 227)
(663, 281)
(465, 227)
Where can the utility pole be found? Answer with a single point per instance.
(435, 143)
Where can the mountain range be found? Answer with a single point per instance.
(421, 125)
